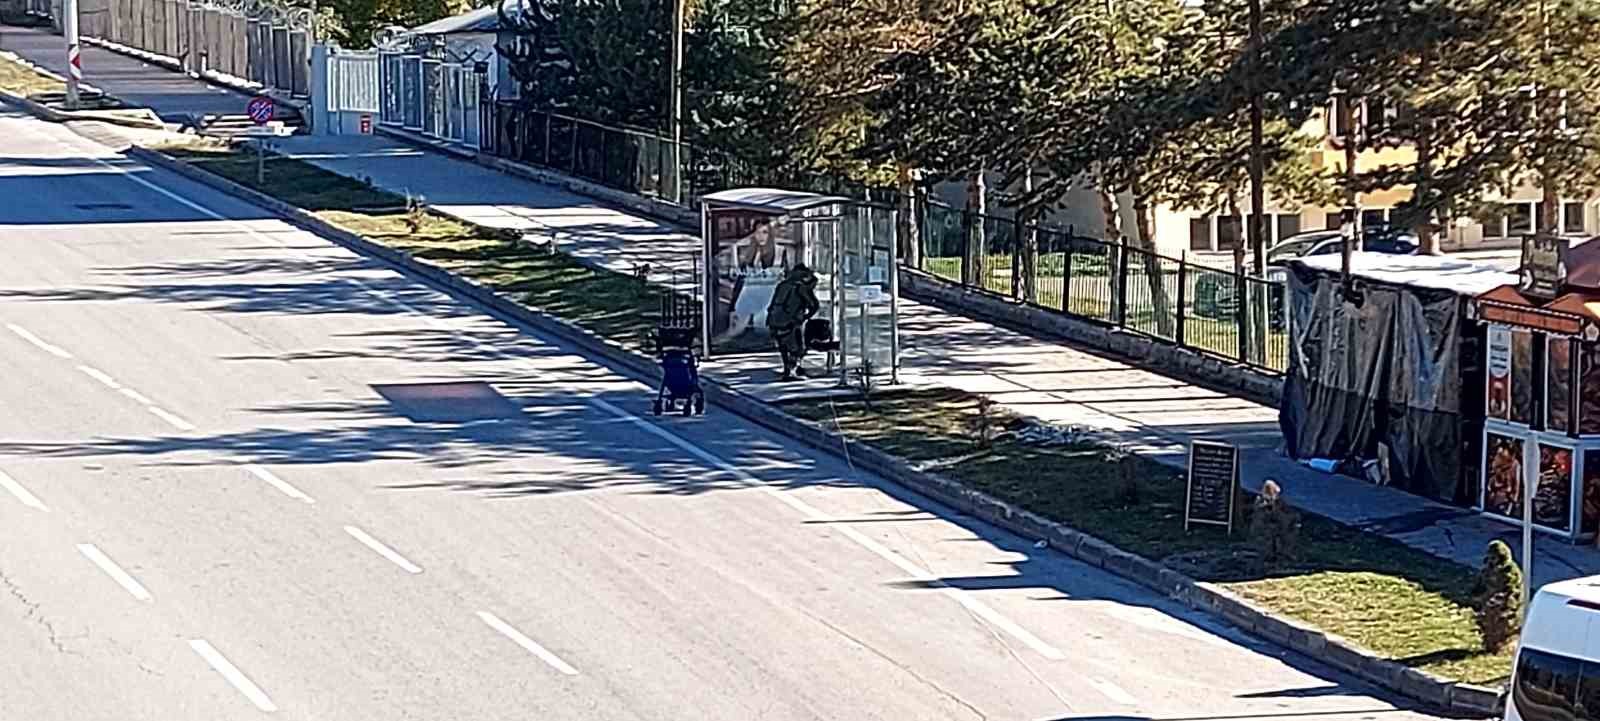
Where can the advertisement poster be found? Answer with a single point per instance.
(1558, 404)
(1591, 491)
(1499, 395)
(1502, 478)
(1552, 498)
(751, 254)
(1589, 388)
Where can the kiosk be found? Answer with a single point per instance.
(1542, 390)
(752, 236)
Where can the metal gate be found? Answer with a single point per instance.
(439, 99)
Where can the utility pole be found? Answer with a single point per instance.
(69, 28)
(1258, 230)
(677, 100)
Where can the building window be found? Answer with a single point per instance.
(1572, 218)
(1337, 129)
(1375, 217)
(1230, 232)
(1519, 219)
(1375, 114)
(1288, 225)
(1200, 233)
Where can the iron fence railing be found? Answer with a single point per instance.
(1194, 306)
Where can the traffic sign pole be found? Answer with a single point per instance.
(260, 112)
(69, 28)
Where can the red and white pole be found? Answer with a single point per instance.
(69, 26)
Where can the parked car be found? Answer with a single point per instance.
(1557, 665)
(1375, 239)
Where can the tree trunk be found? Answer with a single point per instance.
(1352, 237)
(1114, 239)
(1427, 239)
(1550, 204)
(1160, 303)
(977, 242)
(1027, 225)
(906, 225)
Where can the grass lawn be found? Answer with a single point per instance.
(612, 305)
(22, 80)
(1379, 593)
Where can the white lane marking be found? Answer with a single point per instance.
(381, 549)
(101, 376)
(967, 600)
(22, 494)
(136, 396)
(38, 342)
(526, 643)
(175, 421)
(1159, 622)
(277, 483)
(114, 571)
(1113, 692)
(233, 675)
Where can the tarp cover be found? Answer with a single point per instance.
(1384, 370)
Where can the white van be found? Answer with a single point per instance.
(1557, 672)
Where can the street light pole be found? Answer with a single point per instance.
(69, 28)
(677, 100)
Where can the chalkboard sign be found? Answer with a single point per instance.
(1213, 480)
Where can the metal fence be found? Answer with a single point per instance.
(428, 95)
(255, 41)
(1193, 306)
(634, 161)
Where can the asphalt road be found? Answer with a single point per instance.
(245, 472)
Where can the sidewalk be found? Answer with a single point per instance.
(1041, 378)
(174, 96)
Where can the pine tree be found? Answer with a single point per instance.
(1497, 597)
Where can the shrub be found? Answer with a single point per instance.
(985, 424)
(1274, 526)
(1497, 597)
(1127, 474)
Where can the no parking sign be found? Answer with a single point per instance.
(259, 110)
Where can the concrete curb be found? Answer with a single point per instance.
(1138, 350)
(1457, 698)
(44, 112)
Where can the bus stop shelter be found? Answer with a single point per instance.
(753, 236)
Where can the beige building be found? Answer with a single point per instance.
(1180, 230)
